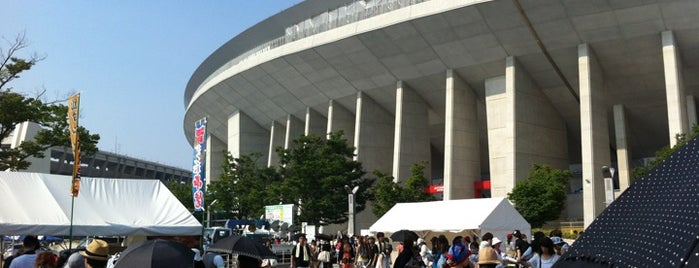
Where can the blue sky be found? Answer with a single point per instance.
(130, 60)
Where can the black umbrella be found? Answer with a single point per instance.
(296, 236)
(404, 235)
(156, 253)
(324, 237)
(242, 246)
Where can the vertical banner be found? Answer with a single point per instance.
(73, 115)
(198, 166)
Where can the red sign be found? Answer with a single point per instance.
(435, 189)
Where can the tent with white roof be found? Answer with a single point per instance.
(40, 204)
(452, 217)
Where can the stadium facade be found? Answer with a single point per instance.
(479, 89)
(59, 160)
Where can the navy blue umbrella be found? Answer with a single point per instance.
(243, 246)
(49, 238)
(156, 253)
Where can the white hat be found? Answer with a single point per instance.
(496, 241)
(420, 241)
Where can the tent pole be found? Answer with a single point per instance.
(70, 234)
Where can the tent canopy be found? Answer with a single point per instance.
(480, 215)
(35, 203)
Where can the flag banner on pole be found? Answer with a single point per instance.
(199, 164)
(73, 109)
(73, 115)
(75, 185)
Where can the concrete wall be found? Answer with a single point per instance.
(245, 136)
(339, 118)
(373, 135)
(412, 136)
(595, 132)
(674, 87)
(523, 129)
(461, 144)
(277, 134)
(216, 152)
(315, 123)
(27, 131)
(294, 129)
(623, 152)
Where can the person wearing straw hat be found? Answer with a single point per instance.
(96, 254)
(487, 258)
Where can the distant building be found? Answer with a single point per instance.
(59, 160)
(479, 89)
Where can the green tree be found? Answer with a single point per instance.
(386, 193)
(541, 197)
(244, 186)
(16, 108)
(664, 153)
(182, 191)
(315, 171)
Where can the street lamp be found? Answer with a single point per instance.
(608, 174)
(208, 213)
(350, 203)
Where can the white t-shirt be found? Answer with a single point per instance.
(425, 254)
(534, 261)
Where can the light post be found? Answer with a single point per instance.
(208, 213)
(350, 203)
(608, 174)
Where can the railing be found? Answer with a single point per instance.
(328, 20)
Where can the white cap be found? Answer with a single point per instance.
(496, 241)
(420, 240)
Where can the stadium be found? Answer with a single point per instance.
(479, 89)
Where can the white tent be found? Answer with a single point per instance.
(40, 204)
(463, 216)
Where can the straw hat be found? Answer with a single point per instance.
(97, 250)
(487, 256)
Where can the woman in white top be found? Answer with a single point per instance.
(546, 258)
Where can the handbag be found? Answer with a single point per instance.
(324, 256)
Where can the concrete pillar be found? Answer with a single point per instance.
(501, 136)
(245, 136)
(523, 129)
(691, 112)
(674, 87)
(411, 139)
(623, 155)
(277, 134)
(462, 167)
(339, 118)
(373, 135)
(594, 132)
(294, 129)
(316, 123)
(215, 156)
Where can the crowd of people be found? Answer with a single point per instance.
(95, 255)
(486, 251)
